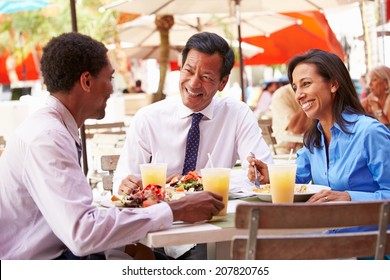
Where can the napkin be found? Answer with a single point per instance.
(99, 194)
(116, 254)
(177, 251)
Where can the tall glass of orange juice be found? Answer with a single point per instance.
(154, 173)
(217, 180)
(282, 180)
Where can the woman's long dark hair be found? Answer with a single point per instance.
(331, 68)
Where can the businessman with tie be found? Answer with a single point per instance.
(183, 129)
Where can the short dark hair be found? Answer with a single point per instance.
(69, 55)
(138, 83)
(331, 68)
(211, 43)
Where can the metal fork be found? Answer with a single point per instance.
(257, 183)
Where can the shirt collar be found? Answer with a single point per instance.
(67, 117)
(208, 112)
(350, 118)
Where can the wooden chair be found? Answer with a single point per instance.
(2, 141)
(312, 220)
(100, 145)
(2, 144)
(108, 163)
(266, 129)
(105, 128)
(135, 101)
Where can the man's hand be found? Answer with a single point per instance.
(170, 178)
(129, 184)
(197, 207)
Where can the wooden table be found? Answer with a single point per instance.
(217, 234)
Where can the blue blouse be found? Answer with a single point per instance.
(359, 163)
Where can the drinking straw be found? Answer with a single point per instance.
(289, 157)
(211, 162)
(154, 159)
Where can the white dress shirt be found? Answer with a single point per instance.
(46, 201)
(228, 131)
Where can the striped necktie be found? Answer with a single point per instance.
(192, 144)
(79, 150)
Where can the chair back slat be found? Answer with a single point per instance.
(384, 221)
(108, 163)
(267, 133)
(304, 247)
(105, 128)
(303, 215)
(311, 221)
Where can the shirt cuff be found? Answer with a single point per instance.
(161, 216)
(362, 196)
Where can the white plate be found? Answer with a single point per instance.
(190, 193)
(173, 191)
(298, 197)
(107, 203)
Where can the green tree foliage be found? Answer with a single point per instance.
(36, 28)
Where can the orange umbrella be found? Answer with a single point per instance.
(4, 79)
(26, 69)
(282, 45)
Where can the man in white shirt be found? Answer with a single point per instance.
(228, 129)
(46, 209)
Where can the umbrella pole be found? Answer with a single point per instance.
(241, 65)
(82, 128)
(238, 19)
(383, 22)
(73, 15)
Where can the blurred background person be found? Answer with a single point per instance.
(138, 87)
(135, 89)
(377, 103)
(264, 102)
(287, 118)
(365, 91)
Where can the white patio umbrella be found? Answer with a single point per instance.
(153, 51)
(142, 32)
(180, 7)
(147, 52)
(229, 7)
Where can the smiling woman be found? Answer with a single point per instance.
(329, 98)
(344, 148)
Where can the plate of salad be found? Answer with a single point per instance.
(189, 184)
